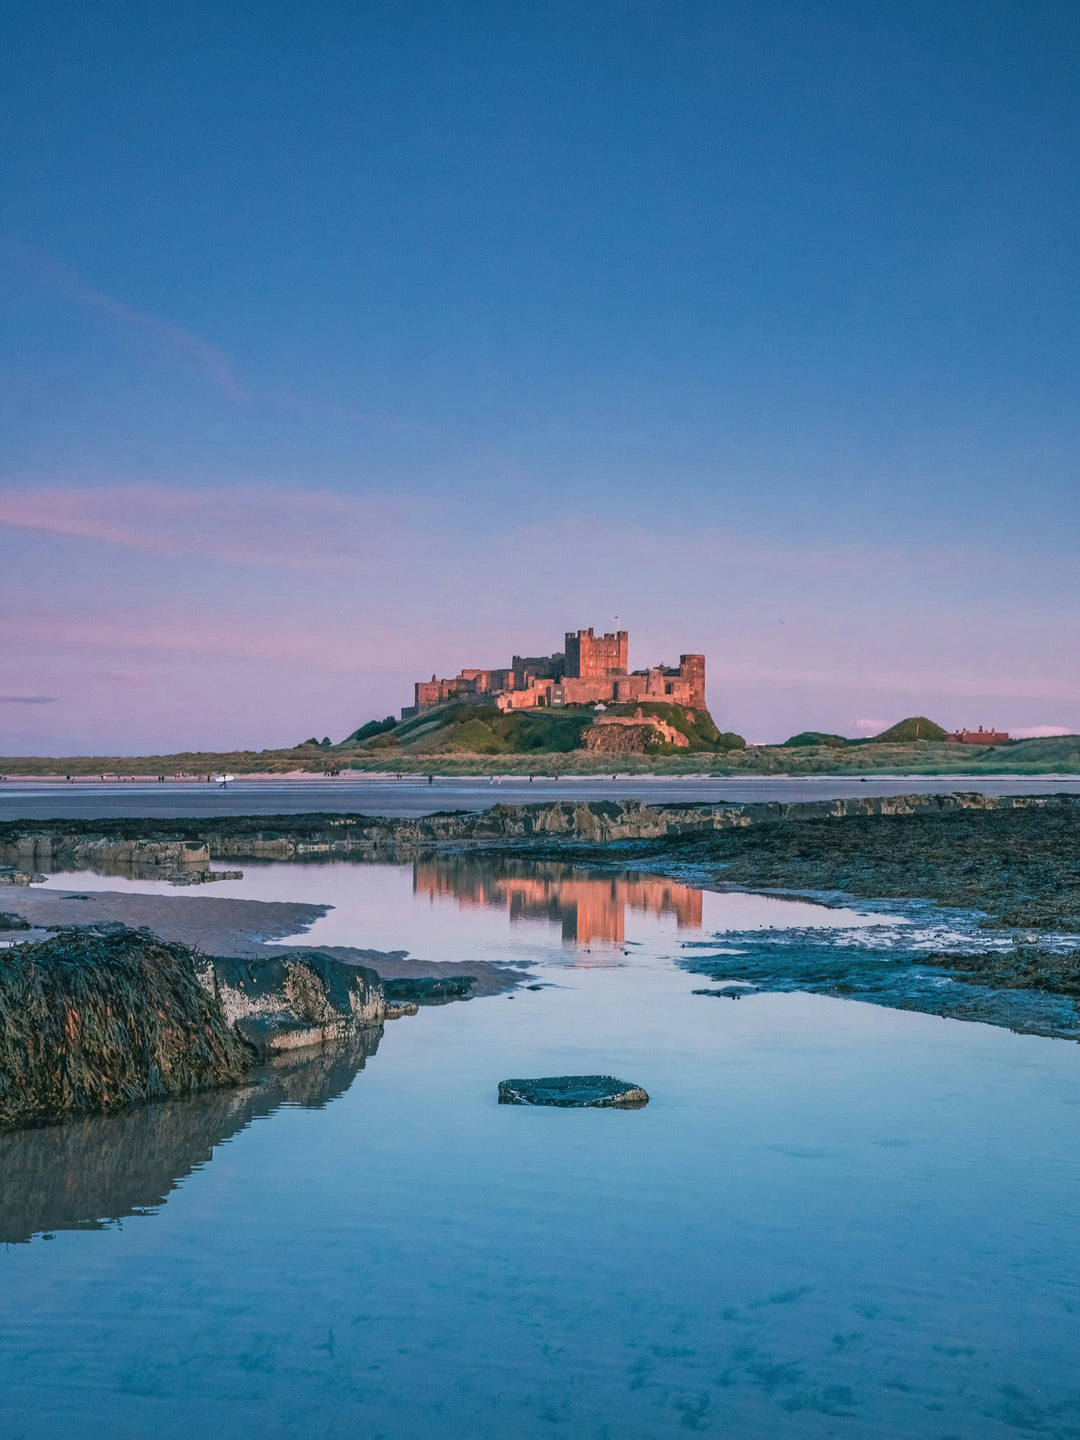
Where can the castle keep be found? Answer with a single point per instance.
(590, 670)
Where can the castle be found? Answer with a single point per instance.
(591, 670)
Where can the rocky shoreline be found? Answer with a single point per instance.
(181, 847)
(96, 1018)
(224, 997)
(1015, 857)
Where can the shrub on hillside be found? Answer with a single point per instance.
(817, 737)
(730, 741)
(477, 738)
(370, 730)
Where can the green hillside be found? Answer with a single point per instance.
(915, 727)
(484, 730)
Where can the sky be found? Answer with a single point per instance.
(341, 344)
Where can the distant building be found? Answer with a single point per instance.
(978, 737)
(591, 670)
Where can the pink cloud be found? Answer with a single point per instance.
(241, 524)
(206, 357)
(1038, 732)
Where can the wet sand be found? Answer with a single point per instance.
(243, 929)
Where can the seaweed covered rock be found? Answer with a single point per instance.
(574, 1092)
(429, 989)
(95, 1019)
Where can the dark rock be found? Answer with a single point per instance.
(729, 992)
(95, 927)
(576, 1091)
(12, 922)
(397, 1012)
(95, 1020)
(303, 998)
(429, 989)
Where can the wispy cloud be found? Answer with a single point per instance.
(215, 365)
(241, 524)
(27, 699)
(341, 649)
(364, 592)
(326, 531)
(57, 277)
(1038, 732)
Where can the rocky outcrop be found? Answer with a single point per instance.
(632, 734)
(574, 1092)
(429, 989)
(297, 1000)
(93, 1021)
(99, 1017)
(107, 845)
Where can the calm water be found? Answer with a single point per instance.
(833, 1218)
(87, 799)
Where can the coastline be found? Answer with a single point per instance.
(999, 865)
(1056, 755)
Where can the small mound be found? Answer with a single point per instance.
(816, 737)
(915, 727)
(574, 1091)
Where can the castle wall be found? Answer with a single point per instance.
(536, 667)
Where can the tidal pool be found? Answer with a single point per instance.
(833, 1218)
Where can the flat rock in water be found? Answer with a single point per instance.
(429, 989)
(574, 1090)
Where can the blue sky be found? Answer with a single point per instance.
(343, 343)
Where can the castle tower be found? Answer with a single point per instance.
(596, 657)
(692, 670)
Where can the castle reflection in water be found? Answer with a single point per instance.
(590, 905)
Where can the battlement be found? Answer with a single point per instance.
(591, 670)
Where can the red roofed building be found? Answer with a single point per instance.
(979, 737)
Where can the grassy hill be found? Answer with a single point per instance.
(915, 727)
(460, 729)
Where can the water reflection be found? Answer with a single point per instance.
(590, 905)
(89, 1173)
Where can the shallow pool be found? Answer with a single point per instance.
(833, 1218)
